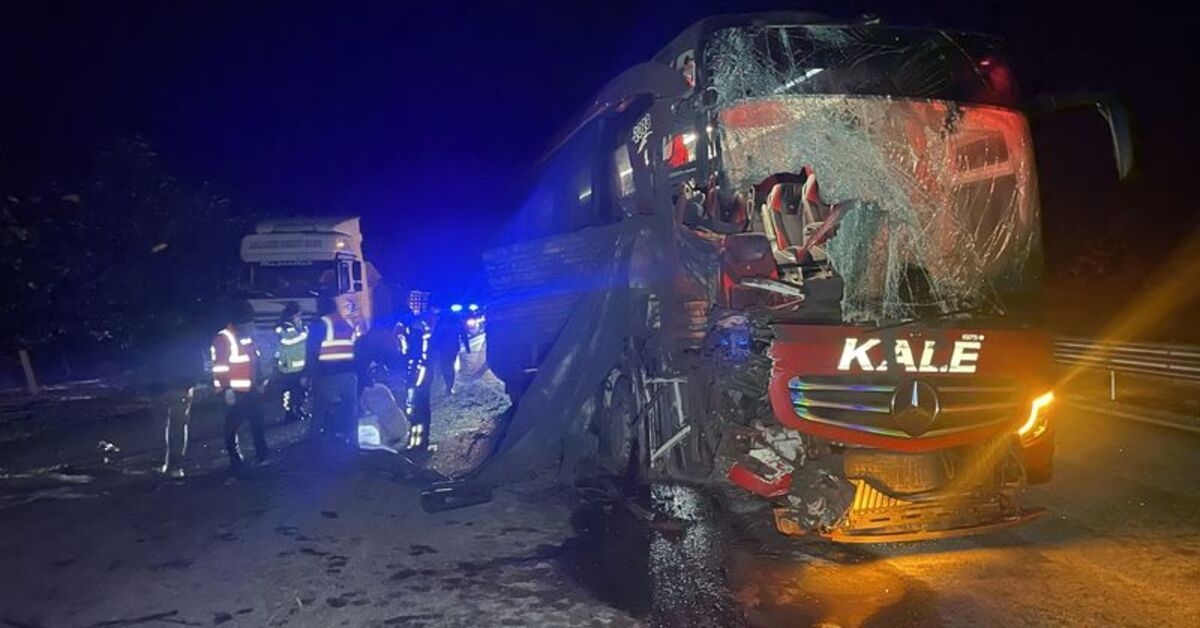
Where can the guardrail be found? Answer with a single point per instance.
(1161, 360)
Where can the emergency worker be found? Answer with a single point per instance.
(334, 376)
(238, 377)
(418, 381)
(414, 344)
(290, 361)
(404, 321)
(449, 334)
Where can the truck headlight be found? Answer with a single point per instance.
(1037, 422)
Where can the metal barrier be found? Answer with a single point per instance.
(1161, 360)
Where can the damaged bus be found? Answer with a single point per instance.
(795, 256)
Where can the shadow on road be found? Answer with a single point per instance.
(688, 567)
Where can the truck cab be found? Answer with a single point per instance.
(302, 260)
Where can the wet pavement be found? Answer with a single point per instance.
(336, 538)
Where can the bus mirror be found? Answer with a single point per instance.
(1113, 112)
(709, 97)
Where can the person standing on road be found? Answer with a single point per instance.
(334, 373)
(449, 334)
(416, 355)
(412, 331)
(290, 361)
(238, 376)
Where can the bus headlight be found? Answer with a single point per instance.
(1037, 423)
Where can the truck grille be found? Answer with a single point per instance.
(866, 405)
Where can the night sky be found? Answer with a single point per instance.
(427, 118)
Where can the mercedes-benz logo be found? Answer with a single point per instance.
(915, 406)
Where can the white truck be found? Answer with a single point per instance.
(302, 260)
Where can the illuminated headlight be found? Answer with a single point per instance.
(1037, 423)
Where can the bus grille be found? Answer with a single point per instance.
(866, 405)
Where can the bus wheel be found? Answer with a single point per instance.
(616, 426)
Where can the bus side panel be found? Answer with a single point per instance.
(535, 286)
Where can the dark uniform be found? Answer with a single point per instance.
(449, 334)
(416, 356)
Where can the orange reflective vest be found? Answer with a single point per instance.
(235, 361)
(338, 343)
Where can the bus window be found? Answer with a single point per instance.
(574, 206)
(680, 149)
(623, 170)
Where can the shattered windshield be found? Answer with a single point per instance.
(939, 199)
(864, 60)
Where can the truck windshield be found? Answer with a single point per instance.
(754, 61)
(940, 211)
(292, 281)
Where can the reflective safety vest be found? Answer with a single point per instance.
(338, 343)
(235, 361)
(291, 355)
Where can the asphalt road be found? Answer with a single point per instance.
(326, 539)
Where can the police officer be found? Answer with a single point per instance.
(238, 377)
(334, 373)
(290, 360)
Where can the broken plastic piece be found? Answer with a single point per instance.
(442, 497)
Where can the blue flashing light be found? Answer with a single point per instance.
(473, 307)
(457, 307)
